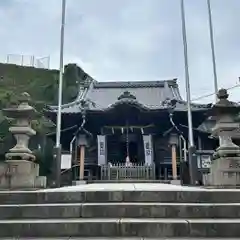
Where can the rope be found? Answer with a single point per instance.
(127, 141)
(209, 95)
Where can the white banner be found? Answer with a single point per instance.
(148, 149)
(102, 150)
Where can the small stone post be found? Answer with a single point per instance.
(225, 167)
(22, 171)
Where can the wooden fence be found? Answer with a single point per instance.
(123, 172)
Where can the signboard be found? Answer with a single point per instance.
(102, 150)
(66, 161)
(148, 149)
(204, 161)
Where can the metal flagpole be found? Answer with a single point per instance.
(212, 49)
(59, 112)
(191, 148)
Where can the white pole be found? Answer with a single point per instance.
(187, 82)
(191, 147)
(212, 49)
(59, 113)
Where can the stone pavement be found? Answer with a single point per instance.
(124, 187)
(131, 187)
(135, 187)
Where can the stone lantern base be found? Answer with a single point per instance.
(225, 172)
(21, 174)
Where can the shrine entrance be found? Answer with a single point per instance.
(128, 155)
(131, 149)
(122, 146)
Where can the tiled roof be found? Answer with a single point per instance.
(151, 95)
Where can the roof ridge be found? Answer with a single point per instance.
(138, 81)
(134, 84)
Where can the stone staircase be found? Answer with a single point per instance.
(112, 214)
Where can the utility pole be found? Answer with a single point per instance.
(59, 112)
(212, 50)
(191, 148)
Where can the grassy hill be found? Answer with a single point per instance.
(17, 79)
(41, 84)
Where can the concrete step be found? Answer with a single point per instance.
(151, 228)
(120, 210)
(129, 181)
(200, 196)
(117, 238)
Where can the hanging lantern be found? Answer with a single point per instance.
(82, 140)
(173, 139)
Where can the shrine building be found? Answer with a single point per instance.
(129, 125)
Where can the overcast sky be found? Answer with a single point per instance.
(128, 39)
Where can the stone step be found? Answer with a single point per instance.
(151, 228)
(117, 238)
(120, 210)
(90, 238)
(201, 196)
(129, 181)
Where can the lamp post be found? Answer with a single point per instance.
(59, 112)
(191, 147)
(212, 50)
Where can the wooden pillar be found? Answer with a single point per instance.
(174, 162)
(81, 163)
(82, 142)
(173, 141)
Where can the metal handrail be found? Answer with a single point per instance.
(123, 172)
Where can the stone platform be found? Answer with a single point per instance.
(158, 211)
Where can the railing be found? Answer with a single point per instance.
(123, 172)
(28, 60)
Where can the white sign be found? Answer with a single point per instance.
(102, 150)
(148, 149)
(66, 161)
(204, 161)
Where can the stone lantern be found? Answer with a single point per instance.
(225, 167)
(22, 171)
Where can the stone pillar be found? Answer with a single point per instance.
(22, 171)
(148, 149)
(225, 167)
(102, 150)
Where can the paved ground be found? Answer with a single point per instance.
(129, 187)
(132, 187)
(124, 187)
